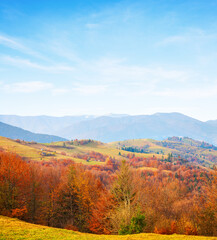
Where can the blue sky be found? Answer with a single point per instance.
(98, 57)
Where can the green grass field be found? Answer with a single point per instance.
(11, 228)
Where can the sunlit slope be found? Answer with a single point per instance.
(148, 144)
(58, 150)
(103, 148)
(21, 149)
(185, 147)
(70, 150)
(34, 151)
(15, 229)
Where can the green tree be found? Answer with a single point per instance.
(136, 225)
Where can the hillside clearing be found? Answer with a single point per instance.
(11, 228)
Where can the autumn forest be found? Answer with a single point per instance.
(138, 193)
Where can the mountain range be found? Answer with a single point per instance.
(118, 127)
(19, 133)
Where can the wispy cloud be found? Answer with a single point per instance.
(10, 42)
(190, 93)
(25, 63)
(17, 45)
(111, 70)
(33, 87)
(92, 26)
(191, 35)
(59, 91)
(173, 39)
(90, 89)
(27, 87)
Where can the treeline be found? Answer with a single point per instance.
(192, 142)
(135, 149)
(110, 199)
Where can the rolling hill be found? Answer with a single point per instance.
(201, 153)
(19, 133)
(91, 152)
(113, 127)
(64, 151)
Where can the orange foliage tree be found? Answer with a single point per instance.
(14, 185)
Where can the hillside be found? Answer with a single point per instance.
(40, 152)
(90, 152)
(164, 185)
(11, 228)
(77, 151)
(119, 127)
(212, 123)
(12, 132)
(197, 152)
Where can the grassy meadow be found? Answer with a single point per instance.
(64, 150)
(10, 145)
(11, 228)
(33, 151)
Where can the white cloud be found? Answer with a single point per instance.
(15, 44)
(9, 42)
(112, 70)
(92, 26)
(90, 89)
(189, 93)
(173, 39)
(59, 91)
(33, 86)
(27, 87)
(191, 35)
(23, 63)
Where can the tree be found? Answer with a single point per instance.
(73, 199)
(14, 185)
(207, 206)
(124, 195)
(99, 222)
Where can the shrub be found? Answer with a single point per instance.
(136, 225)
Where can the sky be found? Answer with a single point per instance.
(98, 57)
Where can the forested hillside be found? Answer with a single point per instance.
(195, 152)
(114, 191)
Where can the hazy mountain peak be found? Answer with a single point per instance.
(116, 127)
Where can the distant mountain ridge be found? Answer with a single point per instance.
(212, 123)
(115, 127)
(12, 132)
(42, 124)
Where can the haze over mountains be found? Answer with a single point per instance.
(19, 133)
(118, 127)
